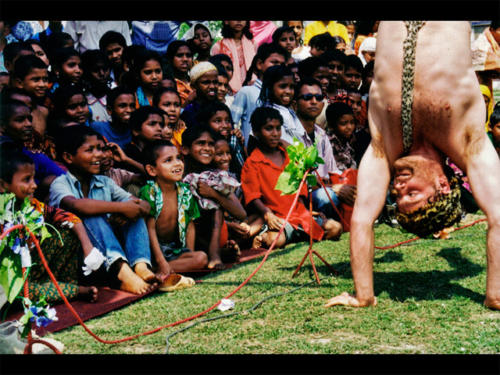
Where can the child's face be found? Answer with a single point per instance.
(222, 88)
(322, 74)
(36, 82)
(202, 39)
(202, 149)
(312, 107)
(228, 68)
(342, 47)
(345, 126)
(351, 29)
(100, 73)
(123, 107)
(114, 53)
(151, 129)
(171, 104)
(222, 155)
(71, 69)
(206, 86)
(23, 182)
(169, 166)
(19, 126)
(283, 91)
(183, 59)
(220, 122)
(495, 131)
(272, 60)
(354, 101)
(298, 28)
(107, 160)
(77, 109)
(288, 41)
(151, 75)
(368, 55)
(167, 132)
(40, 53)
(336, 70)
(88, 156)
(4, 81)
(351, 78)
(270, 133)
(236, 26)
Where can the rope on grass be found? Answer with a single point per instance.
(167, 340)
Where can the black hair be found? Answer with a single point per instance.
(192, 133)
(70, 138)
(338, 39)
(334, 55)
(216, 59)
(263, 52)
(25, 64)
(272, 75)
(4, 74)
(8, 92)
(227, 32)
(115, 93)
(495, 117)
(55, 41)
(11, 158)
(90, 59)
(61, 55)
(11, 50)
(280, 31)
(110, 37)
(129, 55)
(367, 69)
(262, 115)
(206, 112)
(38, 43)
(307, 81)
(141, 58)
(353, 61)
(140, 115)
(8, 108)
(221, 71)
(174, 47)
(151, 153)
(364, 27)
(323, 42)
(308, 66)
(335, 111)
(157, 95)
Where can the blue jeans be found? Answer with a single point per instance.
(322, 203)
(134, 236)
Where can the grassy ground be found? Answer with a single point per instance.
(430, 296)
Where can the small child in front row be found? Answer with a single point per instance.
(258, 180)
(97, 200)
(213, 189)
(170, 223)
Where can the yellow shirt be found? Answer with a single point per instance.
(318, 27)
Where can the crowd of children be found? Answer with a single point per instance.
(167, 162)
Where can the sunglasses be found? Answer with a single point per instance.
(307, 97)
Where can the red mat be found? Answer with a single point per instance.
(112, 299)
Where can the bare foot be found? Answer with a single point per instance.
(492, 304)
(145, 273)
(257, 242)
(231, 251)
(131, 282)
(215, 263)
(346, 299)
(88, 293)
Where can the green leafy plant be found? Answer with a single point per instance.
(301, 160)
(15, 251)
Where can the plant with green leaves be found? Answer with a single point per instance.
(302, 159)
(14, 248)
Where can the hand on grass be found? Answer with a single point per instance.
(346, 299)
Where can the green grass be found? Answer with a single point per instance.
(430, 296)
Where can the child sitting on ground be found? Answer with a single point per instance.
(258, 180)
(170, 223)
(96, 80)
(340, 128)
(17, 174)
(93, 197)
(214, 190)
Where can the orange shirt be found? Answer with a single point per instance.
(258, 179)
(184, 89)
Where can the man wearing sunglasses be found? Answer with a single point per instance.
(424, 105)
(309, 104)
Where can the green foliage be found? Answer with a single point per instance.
(301, 160)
